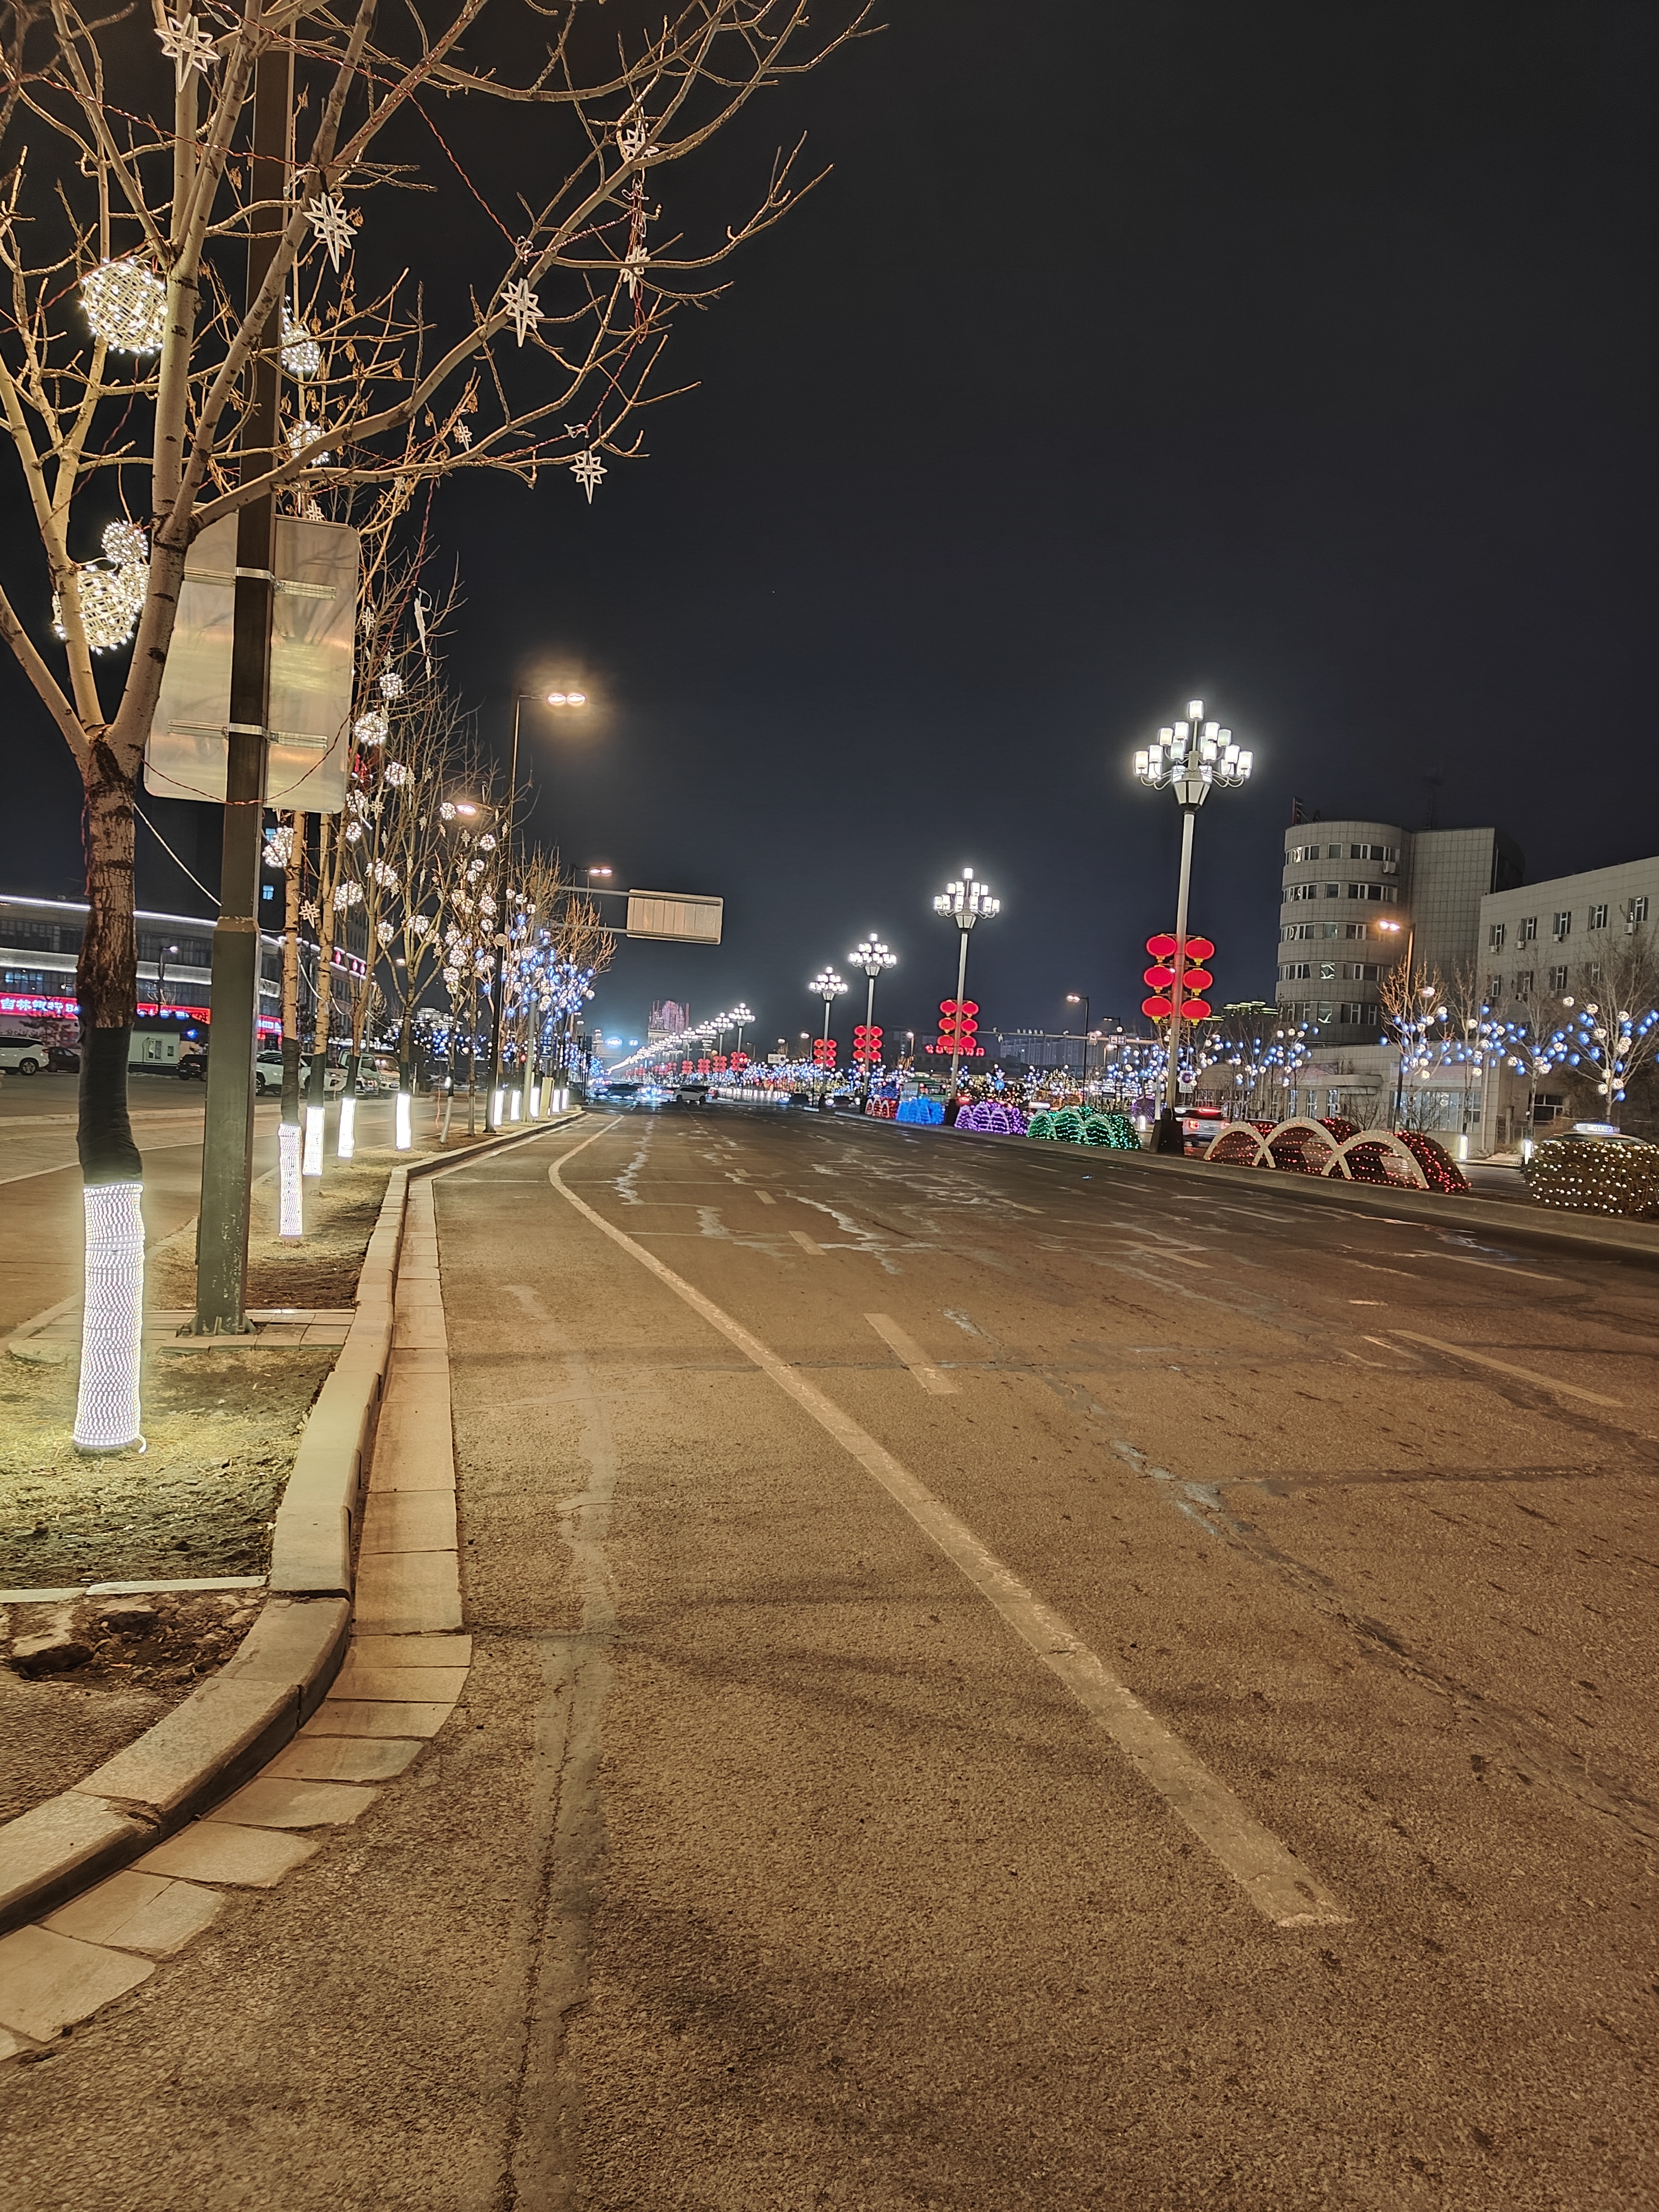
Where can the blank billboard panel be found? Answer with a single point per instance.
(675, 917)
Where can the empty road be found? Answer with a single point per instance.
(1004, 1678)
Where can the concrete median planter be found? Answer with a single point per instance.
(228, 1727)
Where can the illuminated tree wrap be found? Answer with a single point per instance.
(111, 1336)
(1596, 1175)
(290, 1189)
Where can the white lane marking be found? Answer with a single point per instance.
(930, 1377)
(766, 1198)
(1503, 1366)
(1371, 1268)
(1500, 1267)
(806, 1242)
(1271, 1877)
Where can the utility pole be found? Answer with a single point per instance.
(228, 1147)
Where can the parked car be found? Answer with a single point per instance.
(192, 1063)
(268, 1073)
(23, 1055)
(64, 1058)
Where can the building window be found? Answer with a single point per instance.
(1638, 908)
(1333, 852)
(1296, 854)
(1362, 1014)
(1332, 890)
(1361, 971)
(1592, 972)
(1495, 937)
(1557, 978)
(1562, 924)
(1384, 894)
(1297, 891)
(1296, 931)
(1295, 971)
(1526, 933)
(1494, 988)
(1373, 852)
(1597, 917)
(1523, 983)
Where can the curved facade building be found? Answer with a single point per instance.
(1343, 880)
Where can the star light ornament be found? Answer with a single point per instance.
(187, 46)
(634, 269)
(521, 305)
(632, 141)
(589, 471)
(330, 226)
(125, 305)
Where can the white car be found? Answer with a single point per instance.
(23, 1055)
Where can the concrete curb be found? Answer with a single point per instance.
(226, 1729)
(1636, 1241)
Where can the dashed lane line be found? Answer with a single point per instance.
(932, 1378)
(1273, 1878)
(807, 1243)
(1504, 1367)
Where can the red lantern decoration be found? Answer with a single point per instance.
(1196, 979)
(866, 1042)
(1194, 1010)
(1156, 1010)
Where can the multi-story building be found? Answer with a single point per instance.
(1545, 941)
(40, 945)
(1355, 893)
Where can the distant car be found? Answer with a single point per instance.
(267, 1072)
(65, 1058)
(23, 1055)
(192, 1065)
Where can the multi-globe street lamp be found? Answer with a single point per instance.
(966, 902)
(873, 956)
(828, 987)
(1191, 758)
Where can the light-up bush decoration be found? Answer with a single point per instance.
(112, 1335)
(990, 1118)
(926, 1112)
(1042, 1123)
(1592, 1175)
(1115, 1131)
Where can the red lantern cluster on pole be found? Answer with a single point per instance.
(957, 1028)
(824, 1051)
(867, 1044)
(1195, 978)
(739, 1060)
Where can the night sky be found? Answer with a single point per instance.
(1299, 357)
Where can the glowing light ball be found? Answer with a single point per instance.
(126, 306)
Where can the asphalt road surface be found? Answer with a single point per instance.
(1005, 1678)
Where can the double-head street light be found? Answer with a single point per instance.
(873, 956)
(1190, 758)
(966, 902)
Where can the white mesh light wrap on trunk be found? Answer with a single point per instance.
(345, 1140)
(113, 1331)
(314, 1151)
(406, 1121)
(291, 1193)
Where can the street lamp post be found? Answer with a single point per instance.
(1190, 758)
(1394, 929)
(966, 902)
(828, 987)
(1081, 998)
(162, 957)
(555, 699)
(873, 956)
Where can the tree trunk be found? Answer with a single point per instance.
(106, 974)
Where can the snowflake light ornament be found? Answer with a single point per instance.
(125, 305)
(187, 46)
(462, 436)
(396, 773)
(347, 895)
(446, 812)
(372, 728)
(634, 269)
(384, 875)
(633, 140)
(521, 305)
(330, 226)
(309, 911)
(589, 471)
(486, 843)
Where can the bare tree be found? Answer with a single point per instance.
(1615, 1024)
(139, 373)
